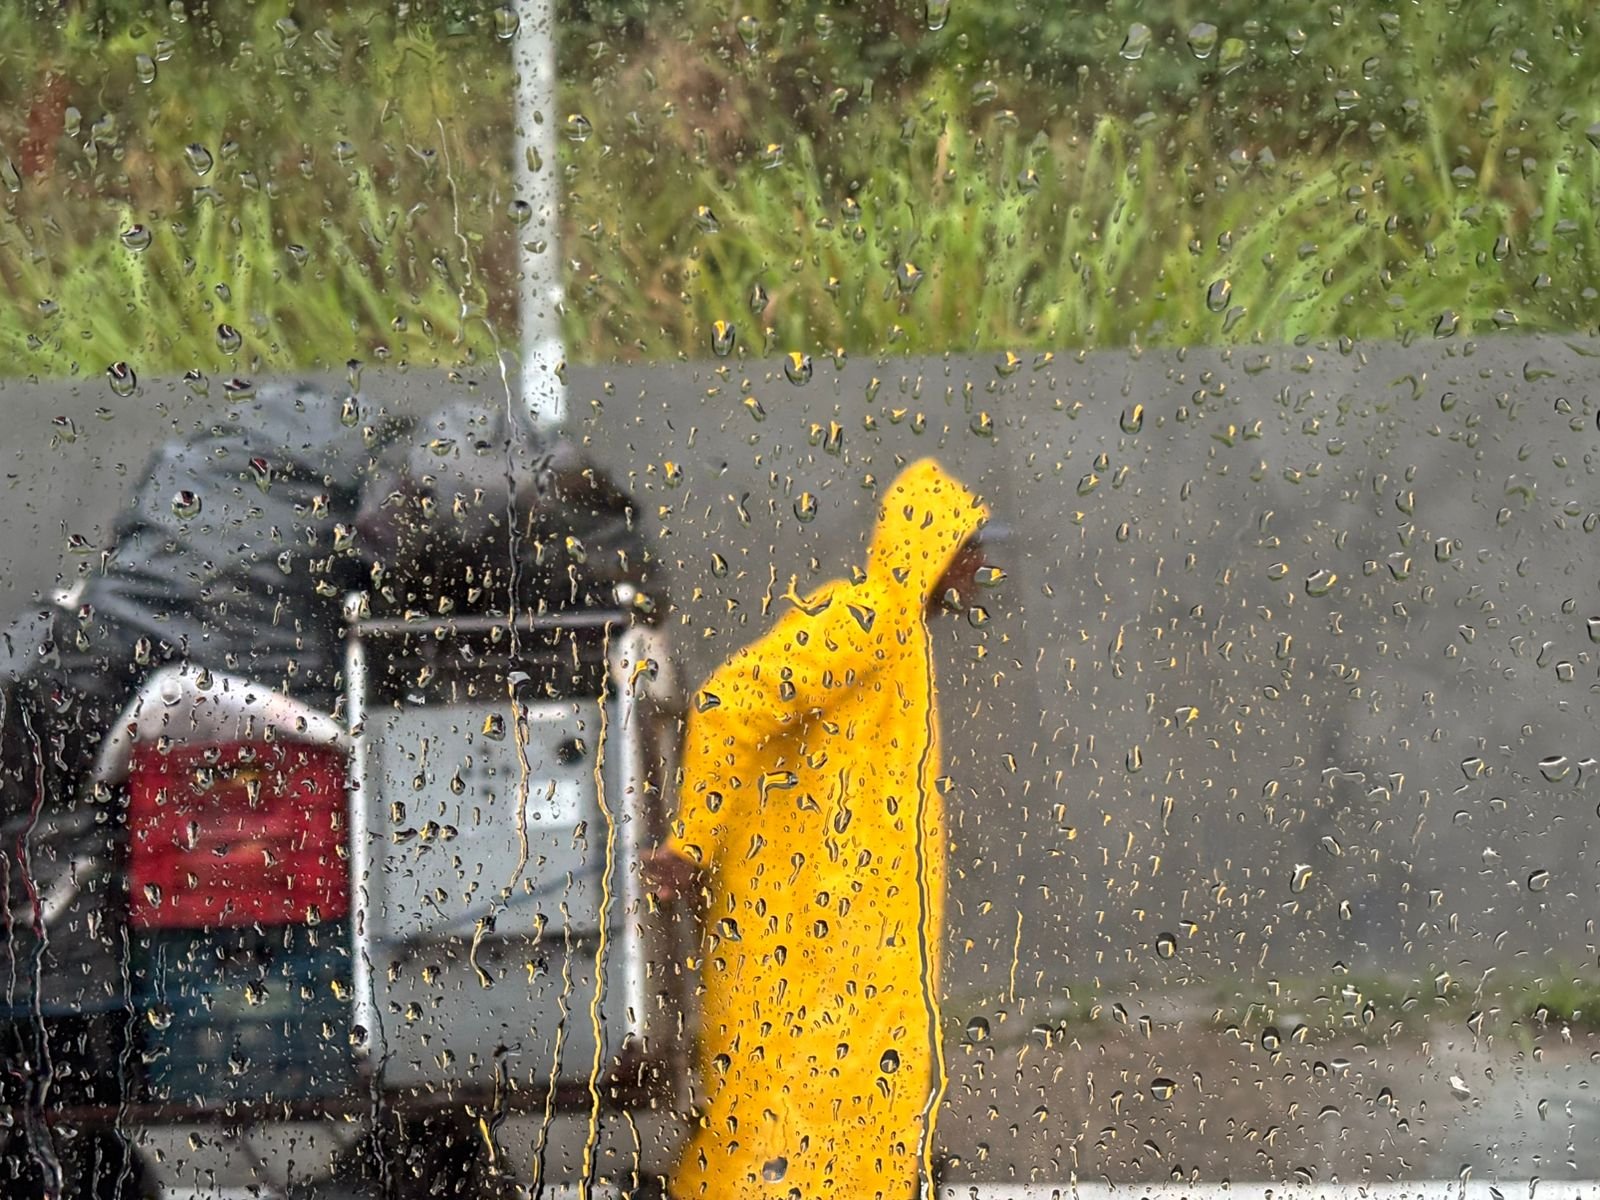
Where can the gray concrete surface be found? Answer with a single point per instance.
(1294, 675)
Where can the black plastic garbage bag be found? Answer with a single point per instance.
(476, 512)
(241, 539)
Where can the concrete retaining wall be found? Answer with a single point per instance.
(1296, 669)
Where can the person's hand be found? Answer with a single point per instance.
(668, 875)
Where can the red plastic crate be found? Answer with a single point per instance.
(237, 834)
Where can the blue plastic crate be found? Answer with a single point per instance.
(243, 1014)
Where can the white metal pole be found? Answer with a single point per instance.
(538, 178)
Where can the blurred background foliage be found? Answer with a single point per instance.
(334, 180)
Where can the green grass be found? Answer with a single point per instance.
(1451, 184)
(1410, 169)
(1106, 244)
(1563, 998)
(324, 230)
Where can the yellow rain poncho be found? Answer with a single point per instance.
(809, 799)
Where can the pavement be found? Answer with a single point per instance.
(1188, 1100)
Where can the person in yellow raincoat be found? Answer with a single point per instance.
(813, 829)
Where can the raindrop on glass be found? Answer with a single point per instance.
(506, 22)
(1202, 39)
(1320, 582)
(136, 238)
(199, 159)
(1555, 768)
(122, 378)
(1136, 42)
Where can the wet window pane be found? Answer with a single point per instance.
(794, 601)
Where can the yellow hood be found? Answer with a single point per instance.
(926, 517)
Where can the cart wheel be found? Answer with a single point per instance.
(649, 1187)
(416, 1158)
